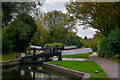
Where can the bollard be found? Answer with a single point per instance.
(60, 57)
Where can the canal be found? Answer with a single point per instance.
(31, 72)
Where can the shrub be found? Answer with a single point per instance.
(85, 45)
(101, 47)
(109, 46)
(6, 43)
(78, 44)
(92, 43)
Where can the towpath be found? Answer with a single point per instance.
(109, 66)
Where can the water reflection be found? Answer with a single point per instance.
(31, 72)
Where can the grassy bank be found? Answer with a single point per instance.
(82, 66)
(12, 56)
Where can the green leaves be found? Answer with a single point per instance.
(11, 9)
(6, 43)
(109, 46)
(102, 16)
(22, 30)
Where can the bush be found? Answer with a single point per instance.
(109, 46)
(101, 47)
(6, 43)
(78, 44)
(93, 44)
(85, 45)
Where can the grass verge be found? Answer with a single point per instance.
(12, 56)
(117, 60)
(82, 66)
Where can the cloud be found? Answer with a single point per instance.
(51, 5)
(85, 32)
(52, 1)
(64, 11)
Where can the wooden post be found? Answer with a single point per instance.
(34, 50)
(29, 51)
(60, 57)
(47, 47)
(53, 49)
(33, 75)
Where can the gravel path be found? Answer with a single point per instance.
(109, 66)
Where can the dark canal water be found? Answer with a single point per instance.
(30, 72)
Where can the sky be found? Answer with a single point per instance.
(60, 6)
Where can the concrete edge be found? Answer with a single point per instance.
(78, 74)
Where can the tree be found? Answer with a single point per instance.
(11, 9)
(22, 30)
(110, 46)
(97, 35)
(58, 24)
(85, 38)
(41, 35)
(102, 16)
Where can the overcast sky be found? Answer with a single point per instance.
(60, 6)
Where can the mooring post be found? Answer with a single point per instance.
(60, 57)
